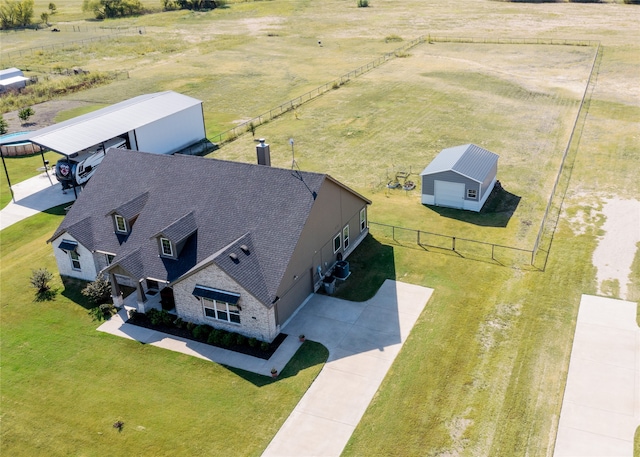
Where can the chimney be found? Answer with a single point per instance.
(264, 153)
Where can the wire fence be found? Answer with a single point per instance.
(109, 34)
(463, 247)
(248, 126)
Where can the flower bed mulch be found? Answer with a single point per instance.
(143, 321)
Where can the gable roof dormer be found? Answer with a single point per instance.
(124, 216)
(173, 237)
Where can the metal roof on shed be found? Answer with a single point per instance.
(84, 131)
(468, 160)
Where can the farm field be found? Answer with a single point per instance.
(484, 370)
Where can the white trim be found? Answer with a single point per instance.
(76, 259)
(345, 239)
(215, 305)
(170, 254)
(117, 218)
(363, 221)
(339, 238)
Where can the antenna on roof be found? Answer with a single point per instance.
(296, 172)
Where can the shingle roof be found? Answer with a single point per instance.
(132, 208)
(468, 160)
(232, 204)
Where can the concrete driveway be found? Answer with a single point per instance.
(363, 341)
(601, 405)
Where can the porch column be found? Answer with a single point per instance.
(141, 297)
(116, 294)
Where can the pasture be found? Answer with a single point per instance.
(483, 371)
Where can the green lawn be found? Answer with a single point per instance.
(484, 370)
(64, 384)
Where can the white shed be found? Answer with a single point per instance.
(12, 78)
(460, 177)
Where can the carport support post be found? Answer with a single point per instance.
(45, 164)
(6, 172)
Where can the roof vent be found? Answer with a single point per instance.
(263, 152)
(245, 249)
(233, 256)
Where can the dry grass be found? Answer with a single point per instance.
(484, 370)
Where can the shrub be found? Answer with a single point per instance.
(201, 332)
(98, 291)
(40, 279)
(25, 113)
(241, 340)
(363, 3)
(229, 339)
(134, 314)
(103, 312)
(252, 342)
(154, 316)
(264, 346)
(215, 337)
(105, 9)
(4, 125)
(191, 326)
(179, 323)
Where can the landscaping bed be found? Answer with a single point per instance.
(165, 322)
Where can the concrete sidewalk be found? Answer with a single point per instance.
(601, 405)
(117, 326)
(363, 339)
(32, 196)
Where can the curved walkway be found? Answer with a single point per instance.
(601, 405)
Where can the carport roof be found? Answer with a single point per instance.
(468, 160)
(74, 135)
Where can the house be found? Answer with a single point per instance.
(237, 246)
(460, 177)
(12, 78)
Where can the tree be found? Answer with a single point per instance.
(104, 9)
(53, 9)
(25, 113)
(16, 13)
(4, 125)
(98, 291)
(44, 17)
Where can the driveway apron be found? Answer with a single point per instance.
(363, 341)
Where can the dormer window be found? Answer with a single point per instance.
(121, 224)
(167, 247)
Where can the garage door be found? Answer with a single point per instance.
(449, 194)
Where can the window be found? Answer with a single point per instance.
(167, 249)
(222, 311)
(75, 260)
(363, 219)
(121, 224)
(110, 258)
(336, 243)
(472, 194)
(345, 237)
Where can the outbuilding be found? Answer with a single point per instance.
(460, 177)
(12, 78)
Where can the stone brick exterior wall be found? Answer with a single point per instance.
(256, 320)
(87, 261)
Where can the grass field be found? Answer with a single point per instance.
(484, 370)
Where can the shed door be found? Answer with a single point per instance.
(449, 194)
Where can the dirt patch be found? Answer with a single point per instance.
(617, 247)
(44, 115)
